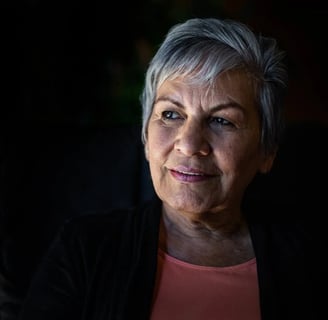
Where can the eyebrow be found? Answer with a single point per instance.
(168, 99)
(227, 105)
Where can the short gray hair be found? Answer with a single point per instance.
(207, 47)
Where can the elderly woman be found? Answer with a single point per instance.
(212, 120)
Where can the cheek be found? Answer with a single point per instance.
(160, 142)
(158, 151)
(236, 156)
(248, 163)
(154, 150)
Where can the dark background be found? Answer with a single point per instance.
(73, 63)
(72, 70)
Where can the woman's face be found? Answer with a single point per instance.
(203, 145)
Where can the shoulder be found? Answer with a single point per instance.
(97, 221)
(288, 239)
(109, 236)
(109, 225)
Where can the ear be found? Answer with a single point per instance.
(267, 162)
(146, 150)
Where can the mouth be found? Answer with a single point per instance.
(189, 176)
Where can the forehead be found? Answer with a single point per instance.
(232, 86)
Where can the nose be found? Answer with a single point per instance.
(192, 140)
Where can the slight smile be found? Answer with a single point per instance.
(186, 176)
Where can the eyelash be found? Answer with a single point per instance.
(168, 115)
(172, 116)
(220, 121)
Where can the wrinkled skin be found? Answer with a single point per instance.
(203, 146)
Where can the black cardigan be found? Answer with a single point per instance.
(103, 266)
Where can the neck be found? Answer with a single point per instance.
(207, 239)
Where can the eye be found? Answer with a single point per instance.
(220, 121)
(171, 115)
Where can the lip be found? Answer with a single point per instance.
(191, 175)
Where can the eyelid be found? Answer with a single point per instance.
(221, 121)
(173, 114)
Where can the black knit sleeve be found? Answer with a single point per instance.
(57, 289)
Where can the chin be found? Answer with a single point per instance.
(192, 204)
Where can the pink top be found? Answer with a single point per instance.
(186, 291)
